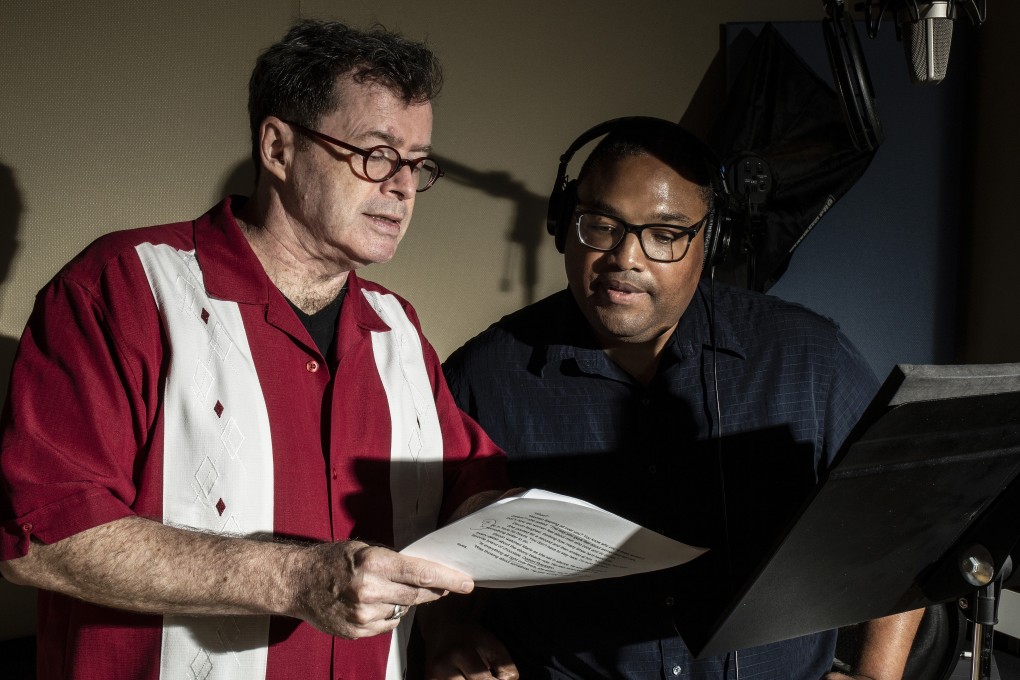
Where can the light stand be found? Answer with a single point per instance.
(749, 182)
(981, 607)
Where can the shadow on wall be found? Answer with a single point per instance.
(17, 604)
(528, 228)
(11, 208)
(239, 180)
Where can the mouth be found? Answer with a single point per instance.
(616, 291)
(386, 222)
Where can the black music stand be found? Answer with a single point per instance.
(927, 482)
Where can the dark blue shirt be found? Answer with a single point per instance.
(721, 470)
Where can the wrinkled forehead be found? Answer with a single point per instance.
(373, 111)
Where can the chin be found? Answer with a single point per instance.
(379, 255)
(619, 331)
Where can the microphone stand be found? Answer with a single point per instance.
(981, 607)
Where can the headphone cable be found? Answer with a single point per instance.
(718, 429)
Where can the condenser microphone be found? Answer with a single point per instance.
(927, 31)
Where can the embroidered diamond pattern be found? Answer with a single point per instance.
(231, 526)
(185, 294)
(203, 380)
(229, 633)
(220, 506)
(414, 446)
(218, 408)
(232, 438)
(404, 350)
(206, 476)
(201, 665)
(205, 315)
(220, 341)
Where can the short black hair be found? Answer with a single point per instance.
(665, 140)
(296, 78)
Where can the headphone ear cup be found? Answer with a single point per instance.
(566, 201)
(718, 234)
(710, 240)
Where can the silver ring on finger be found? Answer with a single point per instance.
(398, 613)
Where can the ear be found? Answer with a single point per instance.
(276, 147)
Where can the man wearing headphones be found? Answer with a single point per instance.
(701, 411)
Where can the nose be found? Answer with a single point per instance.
(403, 183)
(628, 253)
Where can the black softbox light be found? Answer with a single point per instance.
(788, 155)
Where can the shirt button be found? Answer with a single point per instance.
(26, 528)
(669, 603)
(312, 366)
(676, 670)
(333, 471)
(653, 469)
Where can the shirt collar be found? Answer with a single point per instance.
(230, 267)
(707, 322)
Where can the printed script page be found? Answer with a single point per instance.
(542, 537)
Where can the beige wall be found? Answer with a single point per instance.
(126, 113)
(120, 114)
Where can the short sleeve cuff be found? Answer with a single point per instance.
(58, 520)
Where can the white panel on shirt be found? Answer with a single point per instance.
(217, 460)
(416, 443)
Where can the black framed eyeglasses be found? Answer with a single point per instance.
(382, 162)
(660, 242)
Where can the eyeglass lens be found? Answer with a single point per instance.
(382, 162)
(659, 242)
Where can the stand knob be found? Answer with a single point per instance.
(977, 566)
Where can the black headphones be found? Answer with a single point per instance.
(850, 74)
(563, 199)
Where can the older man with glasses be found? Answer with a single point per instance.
(214, 426)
